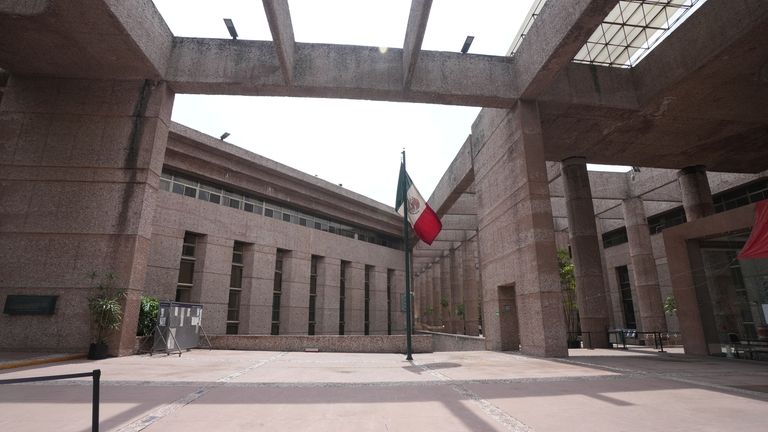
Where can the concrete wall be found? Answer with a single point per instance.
(79, 167)
(454, 342)
(218, 227)
(618, 256)
(364, 344)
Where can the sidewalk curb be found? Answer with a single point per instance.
(40, 361)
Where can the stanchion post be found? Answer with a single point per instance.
(95, 408)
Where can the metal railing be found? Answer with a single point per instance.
(619, 338)
(96, 374)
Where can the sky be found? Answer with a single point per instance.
(350, 142)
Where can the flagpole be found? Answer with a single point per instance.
(408, 324)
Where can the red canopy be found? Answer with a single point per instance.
(757, 245)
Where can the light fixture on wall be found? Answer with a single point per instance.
(224, 136)
(467, 44)
(231, 27)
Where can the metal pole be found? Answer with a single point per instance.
(95, 408)
(408, 324)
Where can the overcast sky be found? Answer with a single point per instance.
(355, 143)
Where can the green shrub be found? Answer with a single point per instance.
(147, 315)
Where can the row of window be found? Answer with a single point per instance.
(186, 279)
(738, 197)
(210, 192)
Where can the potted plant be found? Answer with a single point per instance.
(106, 313)
(570, 308)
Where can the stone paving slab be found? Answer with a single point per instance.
(460, 391)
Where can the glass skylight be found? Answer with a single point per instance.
(632, 29)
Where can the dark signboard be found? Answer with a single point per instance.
(30, 304)
(179, 325)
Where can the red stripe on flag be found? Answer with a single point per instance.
(427, 226)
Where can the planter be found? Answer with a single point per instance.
(98, 351)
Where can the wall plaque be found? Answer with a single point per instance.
(30, 304)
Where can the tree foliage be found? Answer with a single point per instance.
(568, 286)
(105, 306)
(147, 315)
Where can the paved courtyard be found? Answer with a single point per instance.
(448, 391)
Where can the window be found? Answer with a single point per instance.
(276, 292)
(186, 268)
(342, 294)
(390, 278)
(235, 289)
(367, 293)
(312, 295)
(183, 184)
(615, 237)
(741, 196)
(625, 290)
(661, 221)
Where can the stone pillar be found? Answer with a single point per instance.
(164, 261)
(327, 303)
(213, 265)
(516, 232)
(398, 316)
(457, 294)
(446, 303)
(436, 293)
(80, 162)
(294, 299)
(354, 313)
(471, 283)
(644, 272)
(585, 248)
(612, 299)
(697, 196)
(421, 295)
(378, 301)
(258, 285)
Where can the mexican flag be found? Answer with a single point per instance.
(421, 217)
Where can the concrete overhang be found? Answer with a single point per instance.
(194, 152)
(96, 39)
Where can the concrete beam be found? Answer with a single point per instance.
(557, 34)
(459, 222)
(279, 18)
(705, 34)
(96, 39)
(414, 36)
(220, 66)
(465, 204)
(455, 181)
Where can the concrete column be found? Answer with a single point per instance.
(612, 299)
(516, 232)
(644, 272)
(258, 284)
(446, 302)
(213, 266)
(585, 249)
(164, 261)
(354, 313)
(80, 162)
(697, 196)
(327, 303)
(294, 300)
(398, 316)
(436, 294)
(378, 301)
(457, 292)
(420, 299)
(471, 283)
